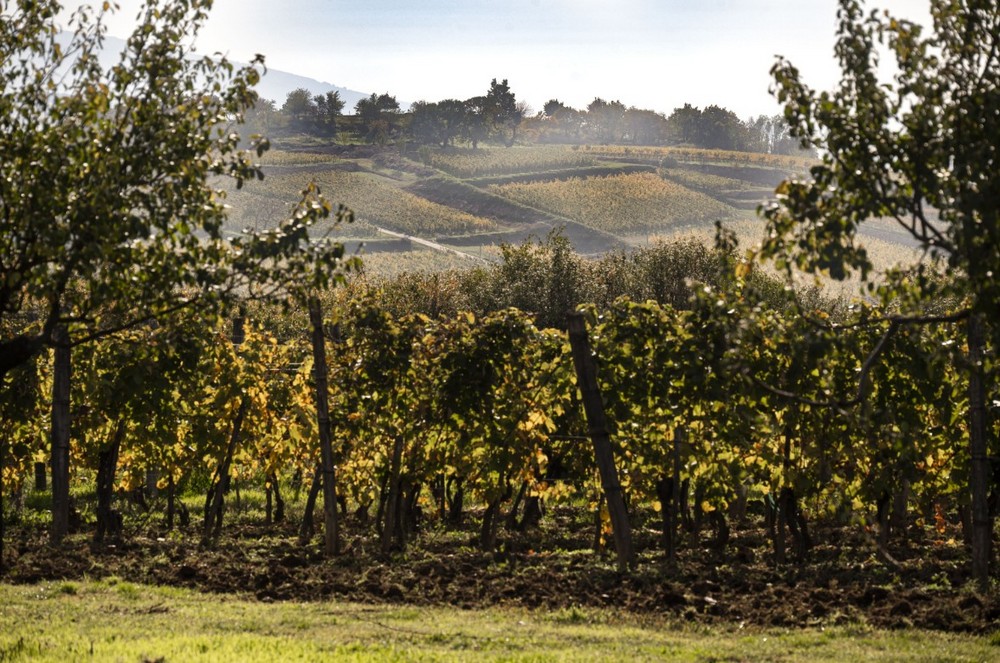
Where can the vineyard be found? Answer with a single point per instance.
(792, 164)
(473, 201)
(375, 201)
(391, 362)
(467, 163)
(445, 421)
(623, 204)
(485, 197)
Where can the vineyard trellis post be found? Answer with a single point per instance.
(330, 528)
(60, 435)
(41, 478)
(3, 520)
(586, 372)
(982, 523)
(675, 494)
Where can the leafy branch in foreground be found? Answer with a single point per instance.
(108, 215)
(921, 150)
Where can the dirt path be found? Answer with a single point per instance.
(431, 244)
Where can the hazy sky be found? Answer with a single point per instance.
(655, 54)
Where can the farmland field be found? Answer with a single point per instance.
(623, 205)
(468, 163)
(603, 198)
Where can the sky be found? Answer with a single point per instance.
(655, 54)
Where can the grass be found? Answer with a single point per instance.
(116, 620)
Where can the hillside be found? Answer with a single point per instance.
(601, 197)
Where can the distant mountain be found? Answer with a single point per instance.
(274, 85)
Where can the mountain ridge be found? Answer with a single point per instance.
(275, 84)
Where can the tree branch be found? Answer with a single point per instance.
(864, 380)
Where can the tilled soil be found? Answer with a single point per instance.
(841, 580)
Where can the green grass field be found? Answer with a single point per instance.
(112, 620)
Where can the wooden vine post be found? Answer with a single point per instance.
(60, 435)
(586, 377)
(673, 512)
(330, 528)
(982, 522)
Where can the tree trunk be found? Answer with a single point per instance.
(900, 502)
(171, 496)
(698, 517)
(456, 500)
(410, 520)
(40, 477)
(511, 521)
(279, 502)
(331, 532)
(684, 516)
(882, 517)
(982, 522)
(738, 507)
(721, 526)
(776, 527)
(586, 372)
(390, 515)
(668, 490)
(268, 503)
(307, 528)
(216, 495)
(3, 520)
(532, 513)
(665, 493)
(796, 522)
(60, 435)
(488, 530)
(109, 521)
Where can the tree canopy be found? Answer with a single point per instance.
(920, 149)
(112, 211)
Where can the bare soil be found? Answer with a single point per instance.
(840, 581)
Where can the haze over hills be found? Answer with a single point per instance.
(274, 85)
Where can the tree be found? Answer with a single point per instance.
(109, 212)
(770, 134)
(329, 106)
(376, 115)
(721, 129)
(502, 111)
(300, 107)
(644, 127)
(925, 142)
(259, 118)
(684, 124)
(553, 107)
(607, 120)
(441, 122)
(477, 122)
(566, 122)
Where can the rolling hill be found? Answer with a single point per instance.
(466, 202)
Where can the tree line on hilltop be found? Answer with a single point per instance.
(498, 117)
